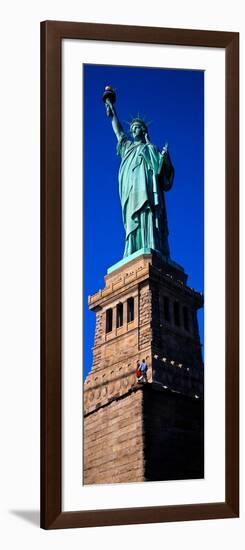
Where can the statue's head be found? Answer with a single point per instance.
(138, 129)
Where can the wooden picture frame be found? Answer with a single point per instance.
(52, 34)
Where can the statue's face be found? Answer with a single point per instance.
(138, 132)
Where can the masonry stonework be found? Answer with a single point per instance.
(127, 426)
(113, 438)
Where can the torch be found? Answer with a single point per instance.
(109, 97)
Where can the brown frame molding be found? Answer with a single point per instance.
(52, 33)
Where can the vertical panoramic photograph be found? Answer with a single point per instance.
(143, 274)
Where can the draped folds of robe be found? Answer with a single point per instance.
(144, 176)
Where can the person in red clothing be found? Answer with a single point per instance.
(138, 371)
(141, 371)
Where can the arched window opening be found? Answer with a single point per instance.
(166, 308)
(186, 318)
(176, 314)
(108, 326)
(119, 315)
(130, 313)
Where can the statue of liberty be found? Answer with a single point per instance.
(145, 174)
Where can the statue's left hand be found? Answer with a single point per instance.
(165, 150)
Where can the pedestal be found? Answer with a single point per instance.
(132, 433)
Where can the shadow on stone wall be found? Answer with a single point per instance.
(173, 436)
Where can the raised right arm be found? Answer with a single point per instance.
(115, 122)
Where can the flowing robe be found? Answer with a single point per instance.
(144, 175)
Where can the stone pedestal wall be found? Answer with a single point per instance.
(126, 425)
(145, 435)
(113, 441)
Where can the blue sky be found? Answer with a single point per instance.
(173, 100)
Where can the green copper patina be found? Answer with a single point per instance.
(145, 174)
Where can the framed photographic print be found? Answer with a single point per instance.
(139, 274)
